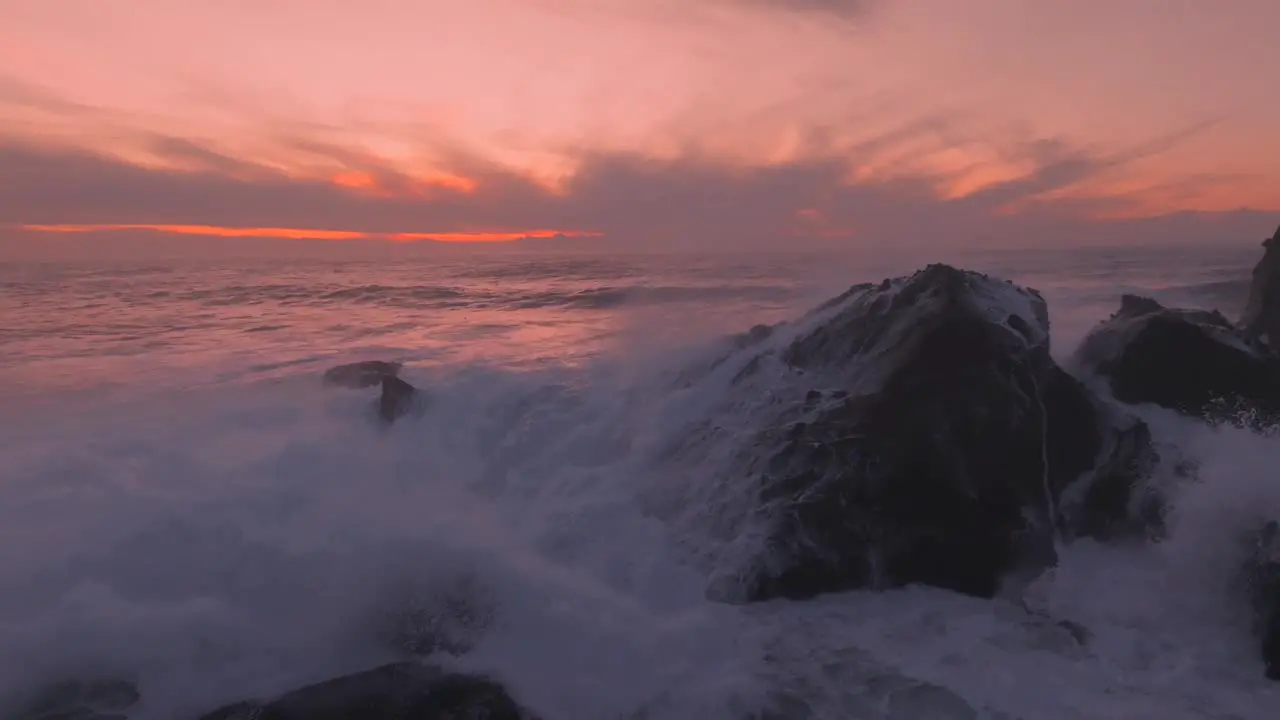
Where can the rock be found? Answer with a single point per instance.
(80, 700)
(1113, 505)
(399, 691)
(1261, 319)
(1262, 572)
(925, 700)
(1192, 361)
(363, 374)
(238, 711)
(397, 400)
(944, 458)
(757, 333)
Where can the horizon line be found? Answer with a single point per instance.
(286, 233)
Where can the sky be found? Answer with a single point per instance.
(642, 123)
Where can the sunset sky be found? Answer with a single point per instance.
(664, 123)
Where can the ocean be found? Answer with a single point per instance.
(184, 505)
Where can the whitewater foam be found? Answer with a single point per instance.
(243, 534)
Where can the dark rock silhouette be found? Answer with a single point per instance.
(945, 457)
(397, 400)
(1192, 361)
(1262, 574)
(80, 700)
(399, 691)
(1261, 319)
(1116, 505)
(362, 374)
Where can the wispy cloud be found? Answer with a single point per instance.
(630, 199)
(806, 166)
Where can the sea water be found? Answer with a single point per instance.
(185, 506)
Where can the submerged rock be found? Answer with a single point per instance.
(944, 457)
(1192, 361)
(364, 374)
(399, 691)
(1261, 319)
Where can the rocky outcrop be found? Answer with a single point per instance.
(947, 448)
(1262, 574)
(1192, 361)
(398, 399)
(398, 691)
(1261, 319)
(77, 700)
(364, 374)
(423, 619)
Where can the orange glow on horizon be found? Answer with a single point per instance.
(315, 234)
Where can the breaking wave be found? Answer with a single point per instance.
(236, 537)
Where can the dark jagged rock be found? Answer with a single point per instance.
(757, 334)
(1262, 573)
(239, 711)
(1261, 319)
(945, 456)
(1114, 505)
(80, 700)
(399, 691)
(397, 400)
(1192, 361)
(363, 374)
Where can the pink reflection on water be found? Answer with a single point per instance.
(88, 329)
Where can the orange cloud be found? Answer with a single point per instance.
(489, 236)
(450, 181)
(355, 180)
(366, 182)
(315, 234)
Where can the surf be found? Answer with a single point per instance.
(213, 541)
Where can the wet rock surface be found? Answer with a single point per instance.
(1261, 318)
(397, 400)
(399, 691)
(364, 374)
(1194, 362)
(1261, 573)
(101, 699)
(940, 448)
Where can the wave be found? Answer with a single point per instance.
(432, 297)
(218, 542)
